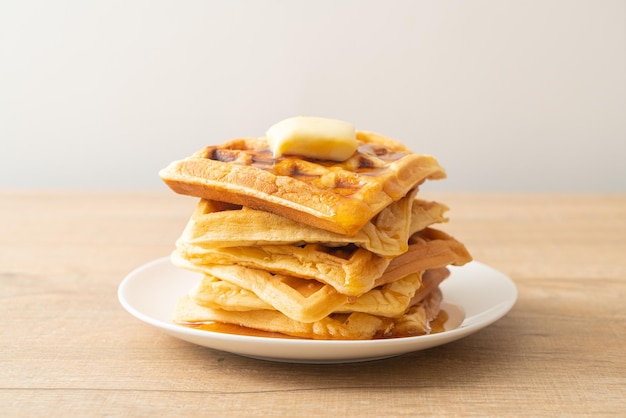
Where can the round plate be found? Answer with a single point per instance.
(480, 294)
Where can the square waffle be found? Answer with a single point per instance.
(217, 225)
(349, 270)
(355, 326)
(339, 326)
(336, 196)
(429, 249)
(390, 300)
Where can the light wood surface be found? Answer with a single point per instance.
(69, 349)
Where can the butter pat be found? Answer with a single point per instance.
(313, 137)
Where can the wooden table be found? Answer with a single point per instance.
(69, 349)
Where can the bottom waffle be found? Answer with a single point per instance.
(347, 326)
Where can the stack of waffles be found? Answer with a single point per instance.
(313, 248)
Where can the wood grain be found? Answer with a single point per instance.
(69, 349)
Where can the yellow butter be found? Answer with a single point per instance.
(313, 137)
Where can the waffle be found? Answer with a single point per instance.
(391, 300)
(428, 249)
(355, 326)
(215, 225)
(348, 270)
(336, 196)
(340, 326)
(215, 293)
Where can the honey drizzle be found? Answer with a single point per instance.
(437, 325)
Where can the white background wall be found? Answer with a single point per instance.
(509, 95)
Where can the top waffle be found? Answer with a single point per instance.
(339, 197)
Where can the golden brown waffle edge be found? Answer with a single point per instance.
(338, 197)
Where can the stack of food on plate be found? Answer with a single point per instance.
(314, 231)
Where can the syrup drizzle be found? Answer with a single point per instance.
(437, 325)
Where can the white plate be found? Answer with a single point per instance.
(485, 295)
